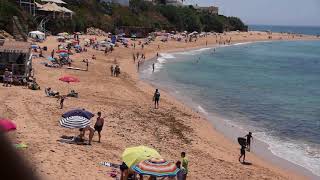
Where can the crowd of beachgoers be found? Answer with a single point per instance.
(99, 74)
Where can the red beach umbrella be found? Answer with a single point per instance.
(62, 51)
(69, 79)
(7, 125)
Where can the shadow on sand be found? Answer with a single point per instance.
(247, 163)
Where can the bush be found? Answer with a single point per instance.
(108, 16)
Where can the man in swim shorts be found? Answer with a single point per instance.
(99, 125)
(156, 99)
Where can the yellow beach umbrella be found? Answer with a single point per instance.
(133, 155)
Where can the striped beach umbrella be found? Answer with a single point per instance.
(74, 122)
(78, 112)
(156, 167)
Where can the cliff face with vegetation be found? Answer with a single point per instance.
(106, 16)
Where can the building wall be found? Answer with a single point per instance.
(121, 2)
(211, 9)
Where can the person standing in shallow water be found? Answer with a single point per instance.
(156, 98)
(249, 137)
(152, 67)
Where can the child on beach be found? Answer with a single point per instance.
(99, 125)
(184, 163)
(249, 137)
(61, 98)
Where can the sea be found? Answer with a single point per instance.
(269, 88)
(309, 30)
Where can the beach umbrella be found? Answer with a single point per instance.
(133, 36)
(51, 59)
(74, 122)
(61, 51)
(7, 125)
(133, 155)
(64, 54)
(60, 37)
(34, 46)
(68, 42)
(156, 167)
(63, 34)
(69, 79)
(78, 112)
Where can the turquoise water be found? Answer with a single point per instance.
(270, 88)
(315, 30)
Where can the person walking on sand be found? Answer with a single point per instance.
(249, 137)
(242, 153)
(87, 63)
(99, 125)
(61, 98)
(52, 53)
(134, 58)
(185, 163)
(156, 98)
(111, 69)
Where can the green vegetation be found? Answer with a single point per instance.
(107, 16)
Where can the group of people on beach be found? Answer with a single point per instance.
(98, 126)
(115, 70)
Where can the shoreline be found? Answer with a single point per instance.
(131, 119)
(220, 123)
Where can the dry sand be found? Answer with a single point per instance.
(131, 119)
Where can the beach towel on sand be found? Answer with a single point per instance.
(72, 140)
(108, 164)
(20, 146)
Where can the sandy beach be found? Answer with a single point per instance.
(131, 119)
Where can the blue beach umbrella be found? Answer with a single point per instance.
(78, 112)
(51, 59)
(34, 46)
(64, 54)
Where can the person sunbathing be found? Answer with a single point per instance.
(73, 94)
(33, 85)
(50, 92)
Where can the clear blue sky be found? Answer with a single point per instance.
(269, 12)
